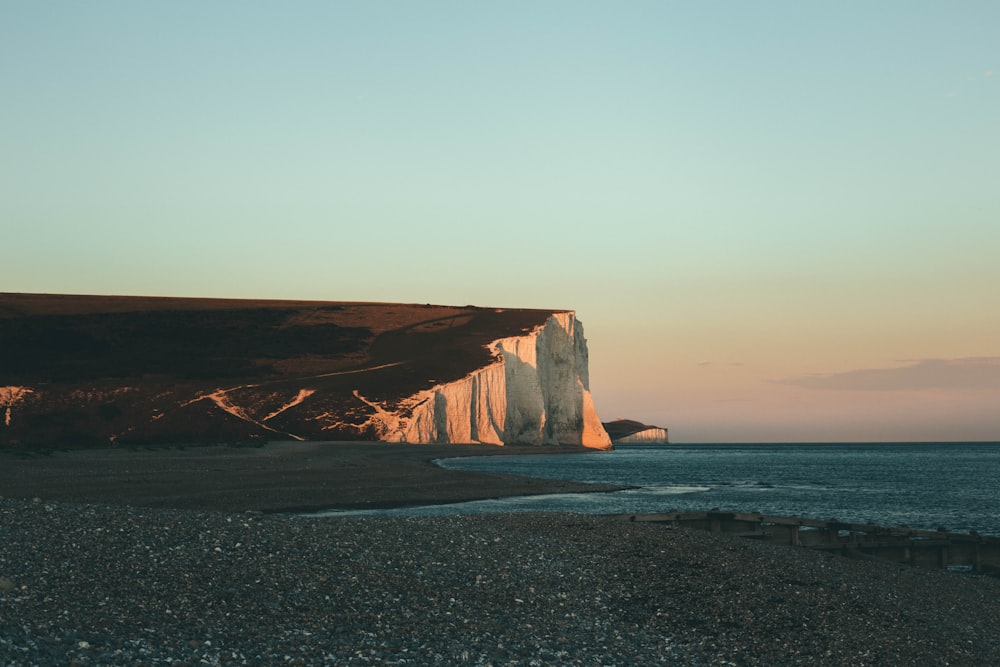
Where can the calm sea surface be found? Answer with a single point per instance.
(922, 485)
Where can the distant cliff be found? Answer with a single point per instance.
(631, 432)
(96, 370)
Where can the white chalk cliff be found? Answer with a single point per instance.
(536, 391)
(653, 435)
(240, 371)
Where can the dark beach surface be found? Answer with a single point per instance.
(274, 477)
(164, 557)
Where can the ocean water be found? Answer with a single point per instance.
(921, 485)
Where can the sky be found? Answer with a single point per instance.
(777, 221)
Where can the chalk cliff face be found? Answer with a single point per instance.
(89, 371)
(9, 397)
(536, 391)
(631, 432)
(651, 436)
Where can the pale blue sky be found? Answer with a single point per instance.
(732, 195)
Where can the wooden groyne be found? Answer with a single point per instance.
(969, 552)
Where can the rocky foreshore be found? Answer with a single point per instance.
(86, 584)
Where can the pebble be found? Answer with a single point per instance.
(101, 585)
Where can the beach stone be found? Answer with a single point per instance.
(551, 589)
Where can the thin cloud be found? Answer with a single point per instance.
(965, 373)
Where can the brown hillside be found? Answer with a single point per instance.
(103, 369)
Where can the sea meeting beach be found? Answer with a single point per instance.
(183, 556)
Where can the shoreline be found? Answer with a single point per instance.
(273, 477)
(101, 564)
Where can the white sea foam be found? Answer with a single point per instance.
(676, 489)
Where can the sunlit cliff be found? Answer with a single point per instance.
(112, 370)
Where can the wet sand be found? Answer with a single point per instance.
(276, 477)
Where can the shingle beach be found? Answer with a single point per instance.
(120, 584)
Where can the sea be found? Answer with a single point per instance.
(927, 486)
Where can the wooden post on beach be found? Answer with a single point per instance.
(900, 545)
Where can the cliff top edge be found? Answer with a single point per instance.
(16, 304)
